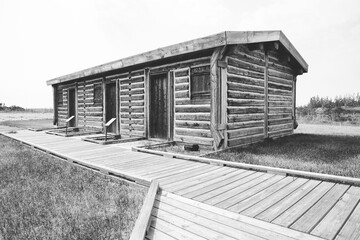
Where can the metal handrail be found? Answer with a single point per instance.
(67, 122)
(111, 121)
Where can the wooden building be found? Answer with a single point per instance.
(224, 90)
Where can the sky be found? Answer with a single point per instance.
(44, 39)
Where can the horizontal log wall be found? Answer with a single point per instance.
(280, 96)
(62, 105)
(132, 103)
(89, 113)
(192, 117)
(246, 96)
(81, 111)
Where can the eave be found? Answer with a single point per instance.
(209, 42)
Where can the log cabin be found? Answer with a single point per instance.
(225, 90)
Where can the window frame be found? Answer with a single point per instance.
(201, 71)
(60, 98)
(98, 101)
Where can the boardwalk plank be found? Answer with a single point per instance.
(224, 192)
(175, 166)
(247, 192)
(223, 220)
(155, 234)
(297, 210)
(185, 175)
(172, 231)
(278, 208)
(312, 217)
(351, 230)
(200, 179)
(214, 183)
(196, 179)
(198, 224)
(264, 200)
(180, 170)
(243, 219)
(331, 224)
(188, 224)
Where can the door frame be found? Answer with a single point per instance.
(117, 101)
(169, 105)
(75, 105)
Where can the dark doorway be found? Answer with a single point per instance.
(72, 106)
(158, 122)
(110, 105)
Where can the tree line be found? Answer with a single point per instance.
(350, 100)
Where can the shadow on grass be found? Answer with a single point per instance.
(339, 155)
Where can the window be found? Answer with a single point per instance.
(200, 83)
(60, 98)
(97, 94)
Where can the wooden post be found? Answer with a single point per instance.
(294, 102)
(76, 106)
(117, 106)
(147, 102)
(215, 96)
(223, 94)
(55, 95)
(104, 102)
(171, 105)
(266, 91)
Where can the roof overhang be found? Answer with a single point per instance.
(209, 42)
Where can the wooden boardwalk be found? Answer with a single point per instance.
(202, 201)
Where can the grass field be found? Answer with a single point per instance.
(10, 121)
(44, 198)
(315, 148)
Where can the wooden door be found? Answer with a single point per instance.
(159, 111)
(72, 106)
(110, 105)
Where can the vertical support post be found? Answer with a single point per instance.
(266, 92)
(117, 89)
(215, 97)
(76, 106)
(104, 102)
(55, 99)
(171, 105)
(294, 103)
(147, 102)
(223, 105)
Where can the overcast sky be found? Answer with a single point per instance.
(44, 39)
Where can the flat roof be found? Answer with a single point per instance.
(212, 41)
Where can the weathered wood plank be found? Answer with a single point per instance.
(224, 224)
(246, 192)
(209, 186)
(298, 209)
(203, 227)
(331, 224)
(143, 221)
(244, 132)
(312, 217)
(351, 230)
(225, 192)
(266, 201)
(278, 208)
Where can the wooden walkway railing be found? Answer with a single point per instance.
(302, 207)
(142, 223)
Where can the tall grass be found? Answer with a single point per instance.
(329, 154)
(44, 198)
